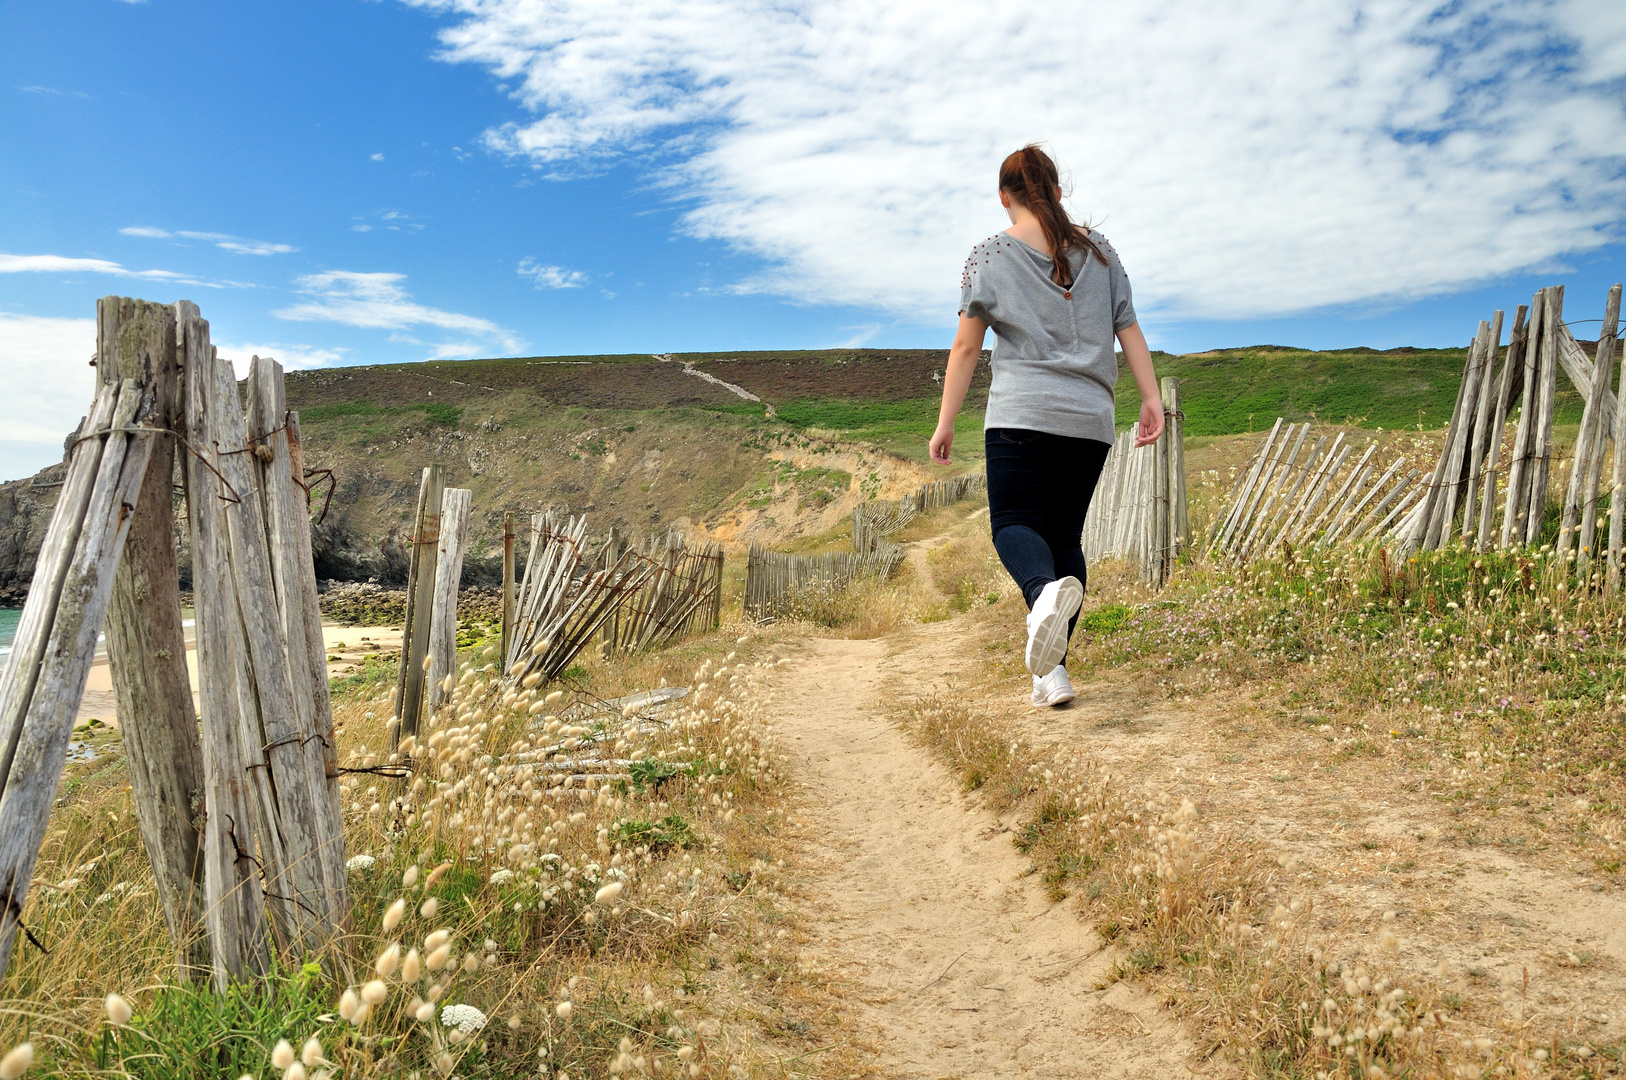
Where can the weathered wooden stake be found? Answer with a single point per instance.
(1512, 376)
(454, 534)
(258, 627)
(234, 905)
(507, 582)
(55, 641)
(1519, 468)
(146, 643)
(1542, 446)
(410, 678)
(1482, 423)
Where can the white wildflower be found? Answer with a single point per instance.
(465, 1018)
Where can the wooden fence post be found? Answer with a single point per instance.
(1542, 447)
(1512, 376)
(146, 643)
(56, 638)
(1604, 368)
(1482, 422)
(454, 532)
(409, 680)
(278, 467)
(507, 582)
(234, 906)
(253, 636)
(1583, 485)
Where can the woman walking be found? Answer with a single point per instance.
(1056, 295)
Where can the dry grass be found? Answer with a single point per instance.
(1224, 933)
(625, 926)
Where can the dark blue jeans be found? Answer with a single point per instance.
(1039, 489)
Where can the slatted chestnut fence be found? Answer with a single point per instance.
(267, 872)
(1139, 510)
(567, 596)
(1465, 484)
(881, 517)
(1295, 491)
(773, 579)
(1483, 490)
(682, 595)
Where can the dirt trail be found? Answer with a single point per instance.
(963, 968)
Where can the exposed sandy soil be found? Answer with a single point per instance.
(960, 967)
(956, 963)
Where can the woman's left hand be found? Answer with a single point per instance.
(1151, 423)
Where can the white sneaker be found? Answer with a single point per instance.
(1054, 689)
(1047, 623)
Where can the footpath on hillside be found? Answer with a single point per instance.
(957, 964)
(960, 966)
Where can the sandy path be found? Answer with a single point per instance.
(963, 967)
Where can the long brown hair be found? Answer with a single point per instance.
(1031, 179)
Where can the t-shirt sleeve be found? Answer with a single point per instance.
(1123, 303)
(976, 291)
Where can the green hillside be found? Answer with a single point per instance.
(640, 441)
(1236, 390)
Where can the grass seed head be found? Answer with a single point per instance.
(392, 916)
(311, 1052)
(374, 992)
(16, 1061)
(429, 907)
(411, 966)
(282, 1055)
(118, 1010)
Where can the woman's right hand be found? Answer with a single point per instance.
(942, 442)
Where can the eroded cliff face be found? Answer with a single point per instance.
(25, 512)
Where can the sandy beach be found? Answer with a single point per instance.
(347, 649)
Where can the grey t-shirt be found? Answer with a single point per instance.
(1054, 360)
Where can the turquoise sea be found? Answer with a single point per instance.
(8, 629)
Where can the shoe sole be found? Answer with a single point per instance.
(1061, 699)
(1047, 642)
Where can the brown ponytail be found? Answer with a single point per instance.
(1030, 178)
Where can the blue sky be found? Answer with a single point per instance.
(355, 181)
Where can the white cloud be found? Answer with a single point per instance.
(53, 91)
(291, 357)
(454, 350)
(378, 157)
(377, 301)
(1247, 159)
(62, 264)
(224, 241)
(255, 247)
(551, 277)
(45, 368)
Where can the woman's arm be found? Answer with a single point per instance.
(962, 363)
(1140, 365)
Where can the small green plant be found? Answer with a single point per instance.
(653, 772)
(189, 1031)
(1106, 619)
(658, 836)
